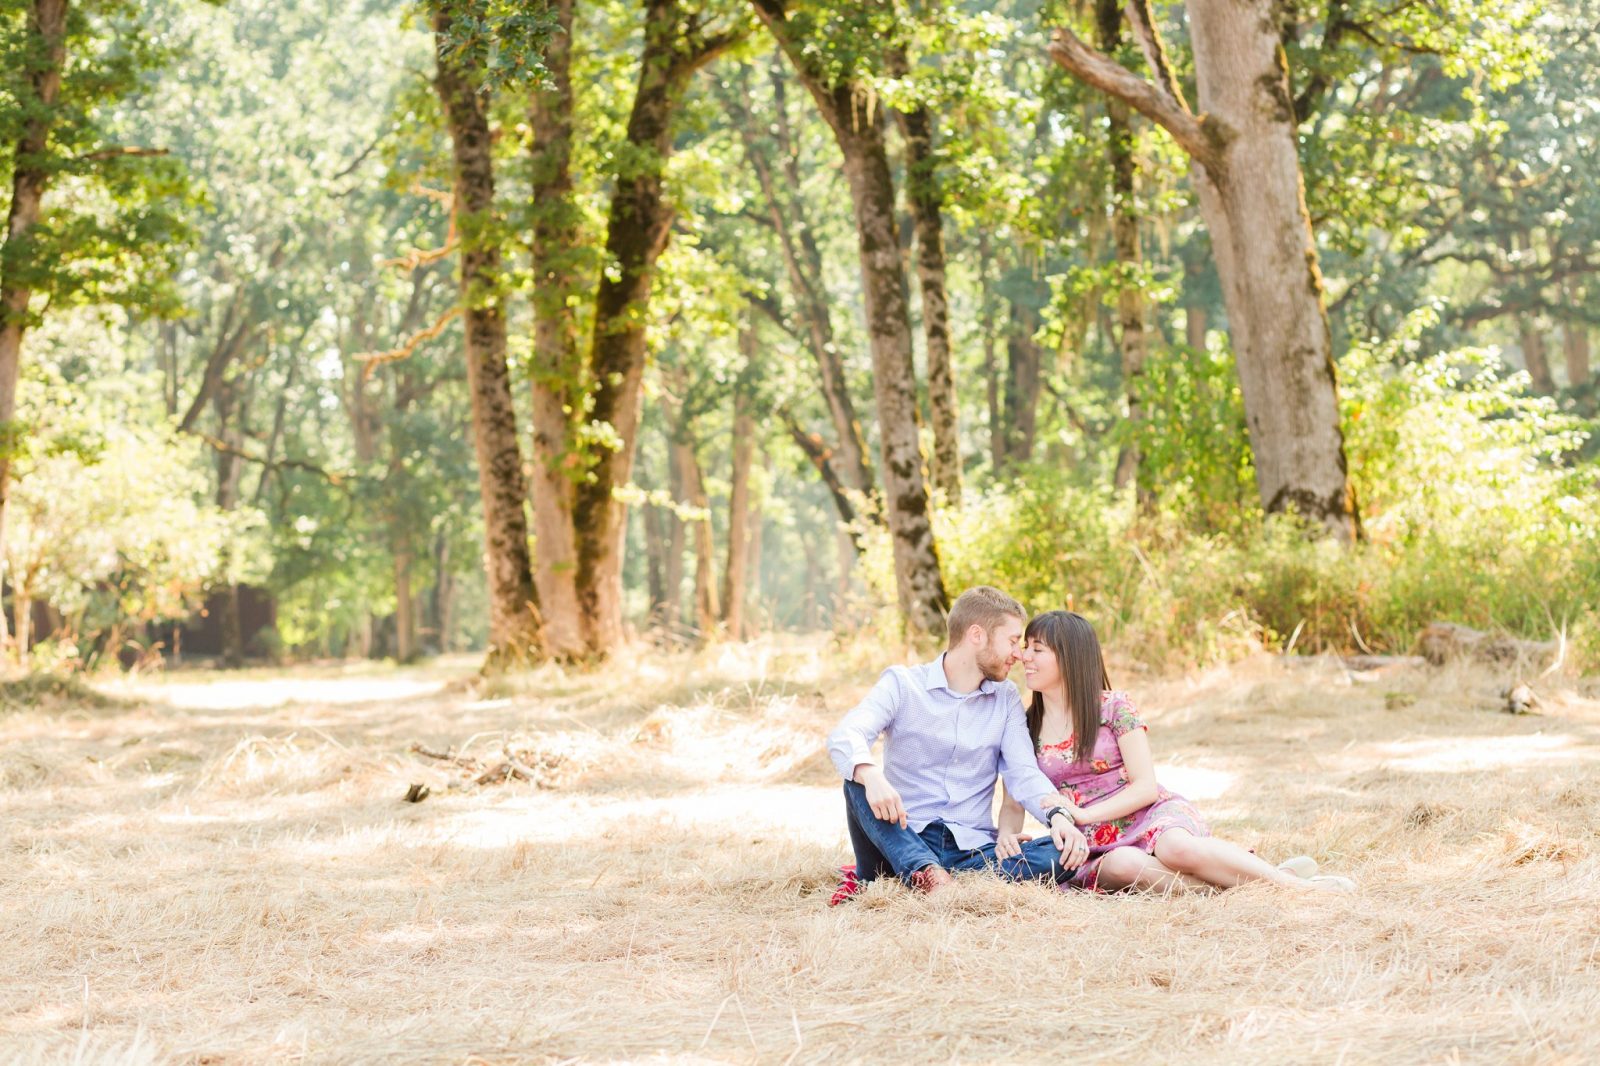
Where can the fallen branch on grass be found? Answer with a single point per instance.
(536, 767)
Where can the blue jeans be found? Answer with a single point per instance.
(883, 848)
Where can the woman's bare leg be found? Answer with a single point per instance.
(1220, 863)
(1131, 868)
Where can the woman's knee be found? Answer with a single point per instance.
(1121, 867)
(1181, 851)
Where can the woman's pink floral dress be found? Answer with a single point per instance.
(1102, 776)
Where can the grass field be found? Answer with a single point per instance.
(221, 869)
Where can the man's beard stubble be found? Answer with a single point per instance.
(993, 665)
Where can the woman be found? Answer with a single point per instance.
(1092, 744)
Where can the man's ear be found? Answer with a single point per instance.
(976, 635)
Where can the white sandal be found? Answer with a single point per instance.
(1333, 883)
(1303, 866)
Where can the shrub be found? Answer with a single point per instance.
(1474, 510)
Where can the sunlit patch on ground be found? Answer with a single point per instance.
(1486, 752)
(233, 876)
(275, 692)
(1195, 783)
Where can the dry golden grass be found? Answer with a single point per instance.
(222, 870)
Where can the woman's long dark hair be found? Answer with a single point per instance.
(1083, 673)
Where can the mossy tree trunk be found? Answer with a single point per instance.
(1242, 145)
(917, 128)
(639, 225)
(859, 130)
(513, 611)
(557, 380)
(45, 34)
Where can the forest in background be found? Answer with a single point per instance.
(408, 327)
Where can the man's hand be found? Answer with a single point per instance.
(881, 796)
(1010, 844)
(1069, 839)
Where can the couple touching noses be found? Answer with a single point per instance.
(1077, 759)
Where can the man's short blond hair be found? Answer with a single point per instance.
(981, 605)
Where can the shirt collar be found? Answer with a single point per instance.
(933, 677)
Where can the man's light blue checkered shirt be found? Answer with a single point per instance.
(943, 749)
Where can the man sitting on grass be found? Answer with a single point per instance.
(950, 725)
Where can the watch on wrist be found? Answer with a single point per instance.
(1053, 811)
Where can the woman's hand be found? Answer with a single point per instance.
(1010, 844)
(1073, 811)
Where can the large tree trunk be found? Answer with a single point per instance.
(557, 372)
(1245, 162)
(1125, 237)
(513, 611)
(925, 200)
(860, 134)
(45, 45)
(733, 575)
(638, 229)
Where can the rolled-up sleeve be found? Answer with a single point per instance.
(850, 744)
(1025, 782)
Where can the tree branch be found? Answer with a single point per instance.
(1157, 104)
(1155, 52)
(118, 152)
(820, 454)
(225, 448)
(373, 360)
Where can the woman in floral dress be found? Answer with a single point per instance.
(1092, 744)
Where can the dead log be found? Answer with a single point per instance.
(1441, 642)
(1363, 663)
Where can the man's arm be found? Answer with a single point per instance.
(1025, 782)
(1028, 784)
(850, 746)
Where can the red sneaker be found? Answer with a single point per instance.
(931, 879)
(848, 885)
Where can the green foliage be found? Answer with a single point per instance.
(117, 213)
(1191, 439)
(107, 520)
(1473, 510)
(503, 40)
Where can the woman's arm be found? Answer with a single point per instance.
(1141, 789)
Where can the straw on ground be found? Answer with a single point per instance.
(228, 873)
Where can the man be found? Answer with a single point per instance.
(950, 725)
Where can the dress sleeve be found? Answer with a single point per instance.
(1119, 714)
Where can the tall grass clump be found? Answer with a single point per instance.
(1475, 509)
